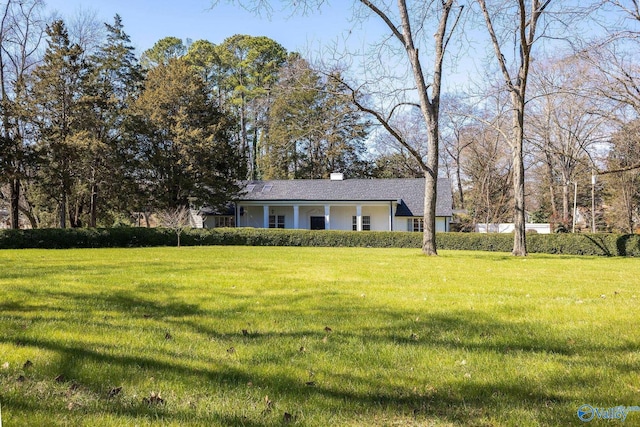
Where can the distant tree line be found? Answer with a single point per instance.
(93, 134)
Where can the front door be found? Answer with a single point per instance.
(317, 223)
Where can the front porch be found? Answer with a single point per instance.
(369, 216)
(366, 216)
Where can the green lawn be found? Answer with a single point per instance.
(256, 336)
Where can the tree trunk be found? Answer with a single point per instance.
(519, 236)
(32, 219)
(244, 140)
(430, 193)
(63, 211)
(76, 214)
(552, 191)
(565, 199)
(459, 179)
(15, 203)
(628, 204)
(429, 236)
(255, 147)
(93, 205)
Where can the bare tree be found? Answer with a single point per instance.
(566, 123)
(615, 76)
(176, 220)
(86, 29)
(524, 34)
(409, 24)
(21, 33)
(456, 136)
(487, 167)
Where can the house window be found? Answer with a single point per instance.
(416, 224)
(366, 223)
(224, 221)
(276, 221)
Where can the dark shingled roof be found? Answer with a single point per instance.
(408, 191)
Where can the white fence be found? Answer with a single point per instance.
(508, 227)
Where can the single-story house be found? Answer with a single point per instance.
(335, 204)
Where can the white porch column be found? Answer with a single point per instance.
(296, 217)
(327, 217)
(265, 221)
(358, 217)
(390, 216)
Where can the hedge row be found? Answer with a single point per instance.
(568, 244)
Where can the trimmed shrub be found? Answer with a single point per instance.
(567, 244)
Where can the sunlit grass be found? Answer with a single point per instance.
(313, 336)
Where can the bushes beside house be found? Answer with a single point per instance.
(567, 244)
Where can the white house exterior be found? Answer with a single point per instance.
(337, 204)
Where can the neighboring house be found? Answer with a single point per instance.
(335, 204)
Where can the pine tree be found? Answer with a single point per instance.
(55, 112)
(314, 129)
(112, 82)
(250, 67)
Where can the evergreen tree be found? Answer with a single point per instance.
(55, 94)
(113, 81)
(182, 141)
(314, 129)
(162, 52)
(250, 67)
(291, 120)
(344, 131)
(203, 56)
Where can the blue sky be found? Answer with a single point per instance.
(147, 21)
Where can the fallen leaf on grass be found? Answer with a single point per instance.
(268, 405)
(153, 399)
(72, 389)
(114, 392)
